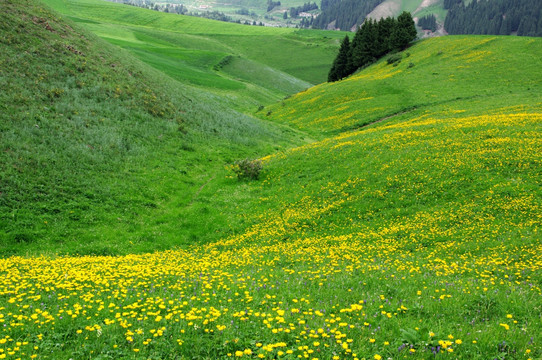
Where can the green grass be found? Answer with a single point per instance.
(417, 236)
(188, 49)
(96, 144)
(435, 72)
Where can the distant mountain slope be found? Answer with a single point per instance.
(344, 14)
(495, 17)
(195, 45)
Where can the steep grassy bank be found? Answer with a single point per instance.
(95, 145)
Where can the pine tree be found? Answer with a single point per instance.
(403, 32)
(340, 69)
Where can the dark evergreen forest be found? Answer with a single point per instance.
(494, 17)
(428, 22)
(372, 40)
(345, 13)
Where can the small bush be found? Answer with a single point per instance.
(248, 169)
(395, 58)
(411, 65)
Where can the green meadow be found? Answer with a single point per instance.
(192, 50)
(396, 216)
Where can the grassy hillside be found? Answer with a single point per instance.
(193, 50)
(433, 74)
(415, 237)
(96, 145)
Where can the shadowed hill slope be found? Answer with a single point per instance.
(92, 140)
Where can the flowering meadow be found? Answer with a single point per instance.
(442, 263)
(397, 215)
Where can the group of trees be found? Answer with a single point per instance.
(306, 22)
(495, 17)
(295, 11)
(428, 22)
(272, 4)
(372, 40)
(343, 14)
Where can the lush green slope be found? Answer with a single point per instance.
(191, 49)
(416, 237)
(434, 73)
(96, 145)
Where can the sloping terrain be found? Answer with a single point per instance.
(96, 144)
(432, 74)
(409, 229)
(192, 50)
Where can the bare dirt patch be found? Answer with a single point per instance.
(387, 8)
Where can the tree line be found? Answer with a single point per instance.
(295, 11)
(495, 17)
(372, 40)
(343, 14)
(428, 22)
(272, 4)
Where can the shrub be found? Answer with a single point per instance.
(394, 59)
(248, 169)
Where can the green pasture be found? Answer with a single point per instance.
(190, 49)
(434, 72)
(396, 215)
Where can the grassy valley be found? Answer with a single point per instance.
(204, 53)
(397, 214)
(84, 132)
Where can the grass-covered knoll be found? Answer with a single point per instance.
(196, 44)
(433, 72)
(96, 145)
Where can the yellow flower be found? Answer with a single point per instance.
(239, 353)
(377, 357)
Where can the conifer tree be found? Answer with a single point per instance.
(403, 32)
(372, 40)
(340, 67)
